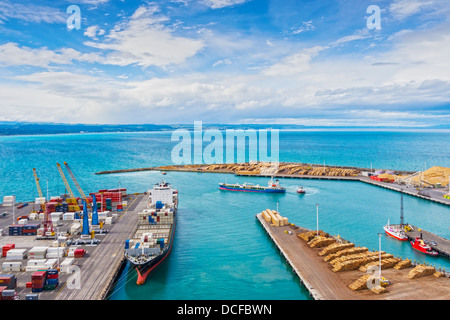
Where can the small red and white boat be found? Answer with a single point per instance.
(395, 232)
(300, 190)
(419, 245)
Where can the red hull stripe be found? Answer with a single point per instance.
(143, 277)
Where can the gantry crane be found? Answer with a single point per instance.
(66, 183)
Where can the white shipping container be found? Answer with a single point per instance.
(56, 215)
(12, 266)
(39, 201)
(16, 254)
(66, 265)
(55, 252)
(69, 216)
(33, 216)
(23, 221)
(51, 263)
(38, 250)
(36, 262)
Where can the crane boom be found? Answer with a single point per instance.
(66, 183)
(75, 181)
(37, 183)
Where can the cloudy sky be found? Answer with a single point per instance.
(307, 62)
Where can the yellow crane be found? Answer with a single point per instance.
(66, 183)
(38, 188)
(37, 183)
(76, 183)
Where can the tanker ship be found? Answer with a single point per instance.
(272, 187)
(152, 241)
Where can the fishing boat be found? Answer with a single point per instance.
(419, 245)
(272, 187)
(300, 190)
(397, 232)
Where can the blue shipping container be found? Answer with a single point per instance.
(32, 296)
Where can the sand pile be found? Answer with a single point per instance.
(433, 176)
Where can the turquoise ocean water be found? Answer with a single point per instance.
(220, 250)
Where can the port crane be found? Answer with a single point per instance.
(83, 196)
(36, 179)
(66, 183)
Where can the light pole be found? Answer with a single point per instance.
(379, 251)
(14, 210)
(317, 205)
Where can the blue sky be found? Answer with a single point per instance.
(306, 62)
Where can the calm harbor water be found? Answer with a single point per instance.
(220, 250)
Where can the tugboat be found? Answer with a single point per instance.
(397, 232)
(419, 245)
(300, 190)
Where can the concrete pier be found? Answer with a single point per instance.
(324, 284)
(99, 270)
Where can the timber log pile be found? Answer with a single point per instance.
(256, 168)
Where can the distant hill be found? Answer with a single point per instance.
(22, 128)
(28, 128)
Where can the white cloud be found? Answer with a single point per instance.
(11, 54)
(94, 31)
(31, 13)
(306, 26)
(219, 62)
(401, 9)
(145, 41)
(294, 64)
(218, 4)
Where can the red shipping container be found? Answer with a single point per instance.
(29, 284)
(39, 275)
(52, 276)
(79, 253)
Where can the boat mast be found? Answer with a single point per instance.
(401, 212)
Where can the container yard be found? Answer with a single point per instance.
(44, 268)
(64, 247)
(334, 269)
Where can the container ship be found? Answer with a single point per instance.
(273, 187)
(152, 241)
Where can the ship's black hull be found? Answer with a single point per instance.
(144, 270)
